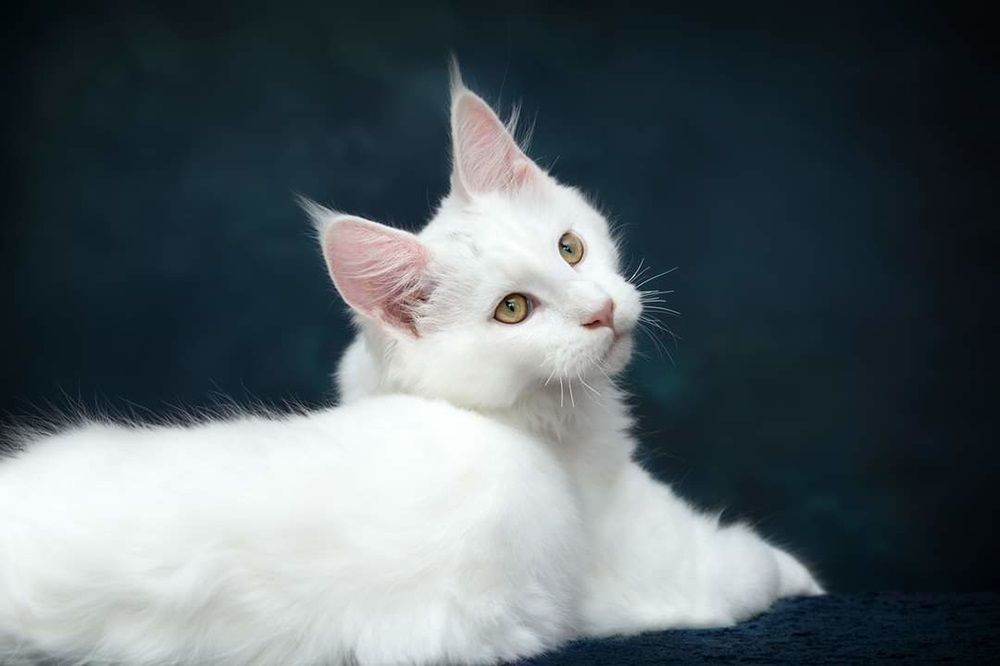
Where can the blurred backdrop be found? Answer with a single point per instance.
(824, 180)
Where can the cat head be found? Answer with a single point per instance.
(513, 286)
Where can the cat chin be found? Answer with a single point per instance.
(618, 355)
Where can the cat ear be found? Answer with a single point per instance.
(486, 158)
(379, 271)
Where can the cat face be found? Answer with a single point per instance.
(513, 287)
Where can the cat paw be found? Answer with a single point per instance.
(652, 616)
(794, 579)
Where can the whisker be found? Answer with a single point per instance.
(658, 275)
(584, 382)
(560, 393)
(660, 308)
(569, 381)
(643, 326)
(660, 326)
(637, 269)
(644, 329)
(639, 274)
(604, 372)
(670, 357)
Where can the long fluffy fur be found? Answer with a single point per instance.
(474, 498)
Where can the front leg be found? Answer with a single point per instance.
(659, 564)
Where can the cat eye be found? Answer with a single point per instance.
(571, 248)
(513, 309)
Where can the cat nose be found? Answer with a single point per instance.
(603, 317)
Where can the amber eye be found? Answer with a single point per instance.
(571, 248)
(513, 309)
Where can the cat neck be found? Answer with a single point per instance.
(569, 413)
(571, 418)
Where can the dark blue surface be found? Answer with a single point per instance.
(835, 629)
(825, 178)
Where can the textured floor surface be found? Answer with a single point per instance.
(835, 629)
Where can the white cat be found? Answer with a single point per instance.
(473, 499)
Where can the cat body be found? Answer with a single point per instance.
(654, 561)
(473, 499)
(399, 530)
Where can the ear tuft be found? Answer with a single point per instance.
(379, 271)
(486, 157)
(455, 77)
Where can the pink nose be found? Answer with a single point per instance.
(603, 317)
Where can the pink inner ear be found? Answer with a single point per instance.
(380, 272)
(487, 158)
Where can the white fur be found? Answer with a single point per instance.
(397, 530)
(474, 498)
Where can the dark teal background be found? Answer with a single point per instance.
(825, 180)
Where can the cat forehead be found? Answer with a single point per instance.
(502, 223)
(491, 253)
